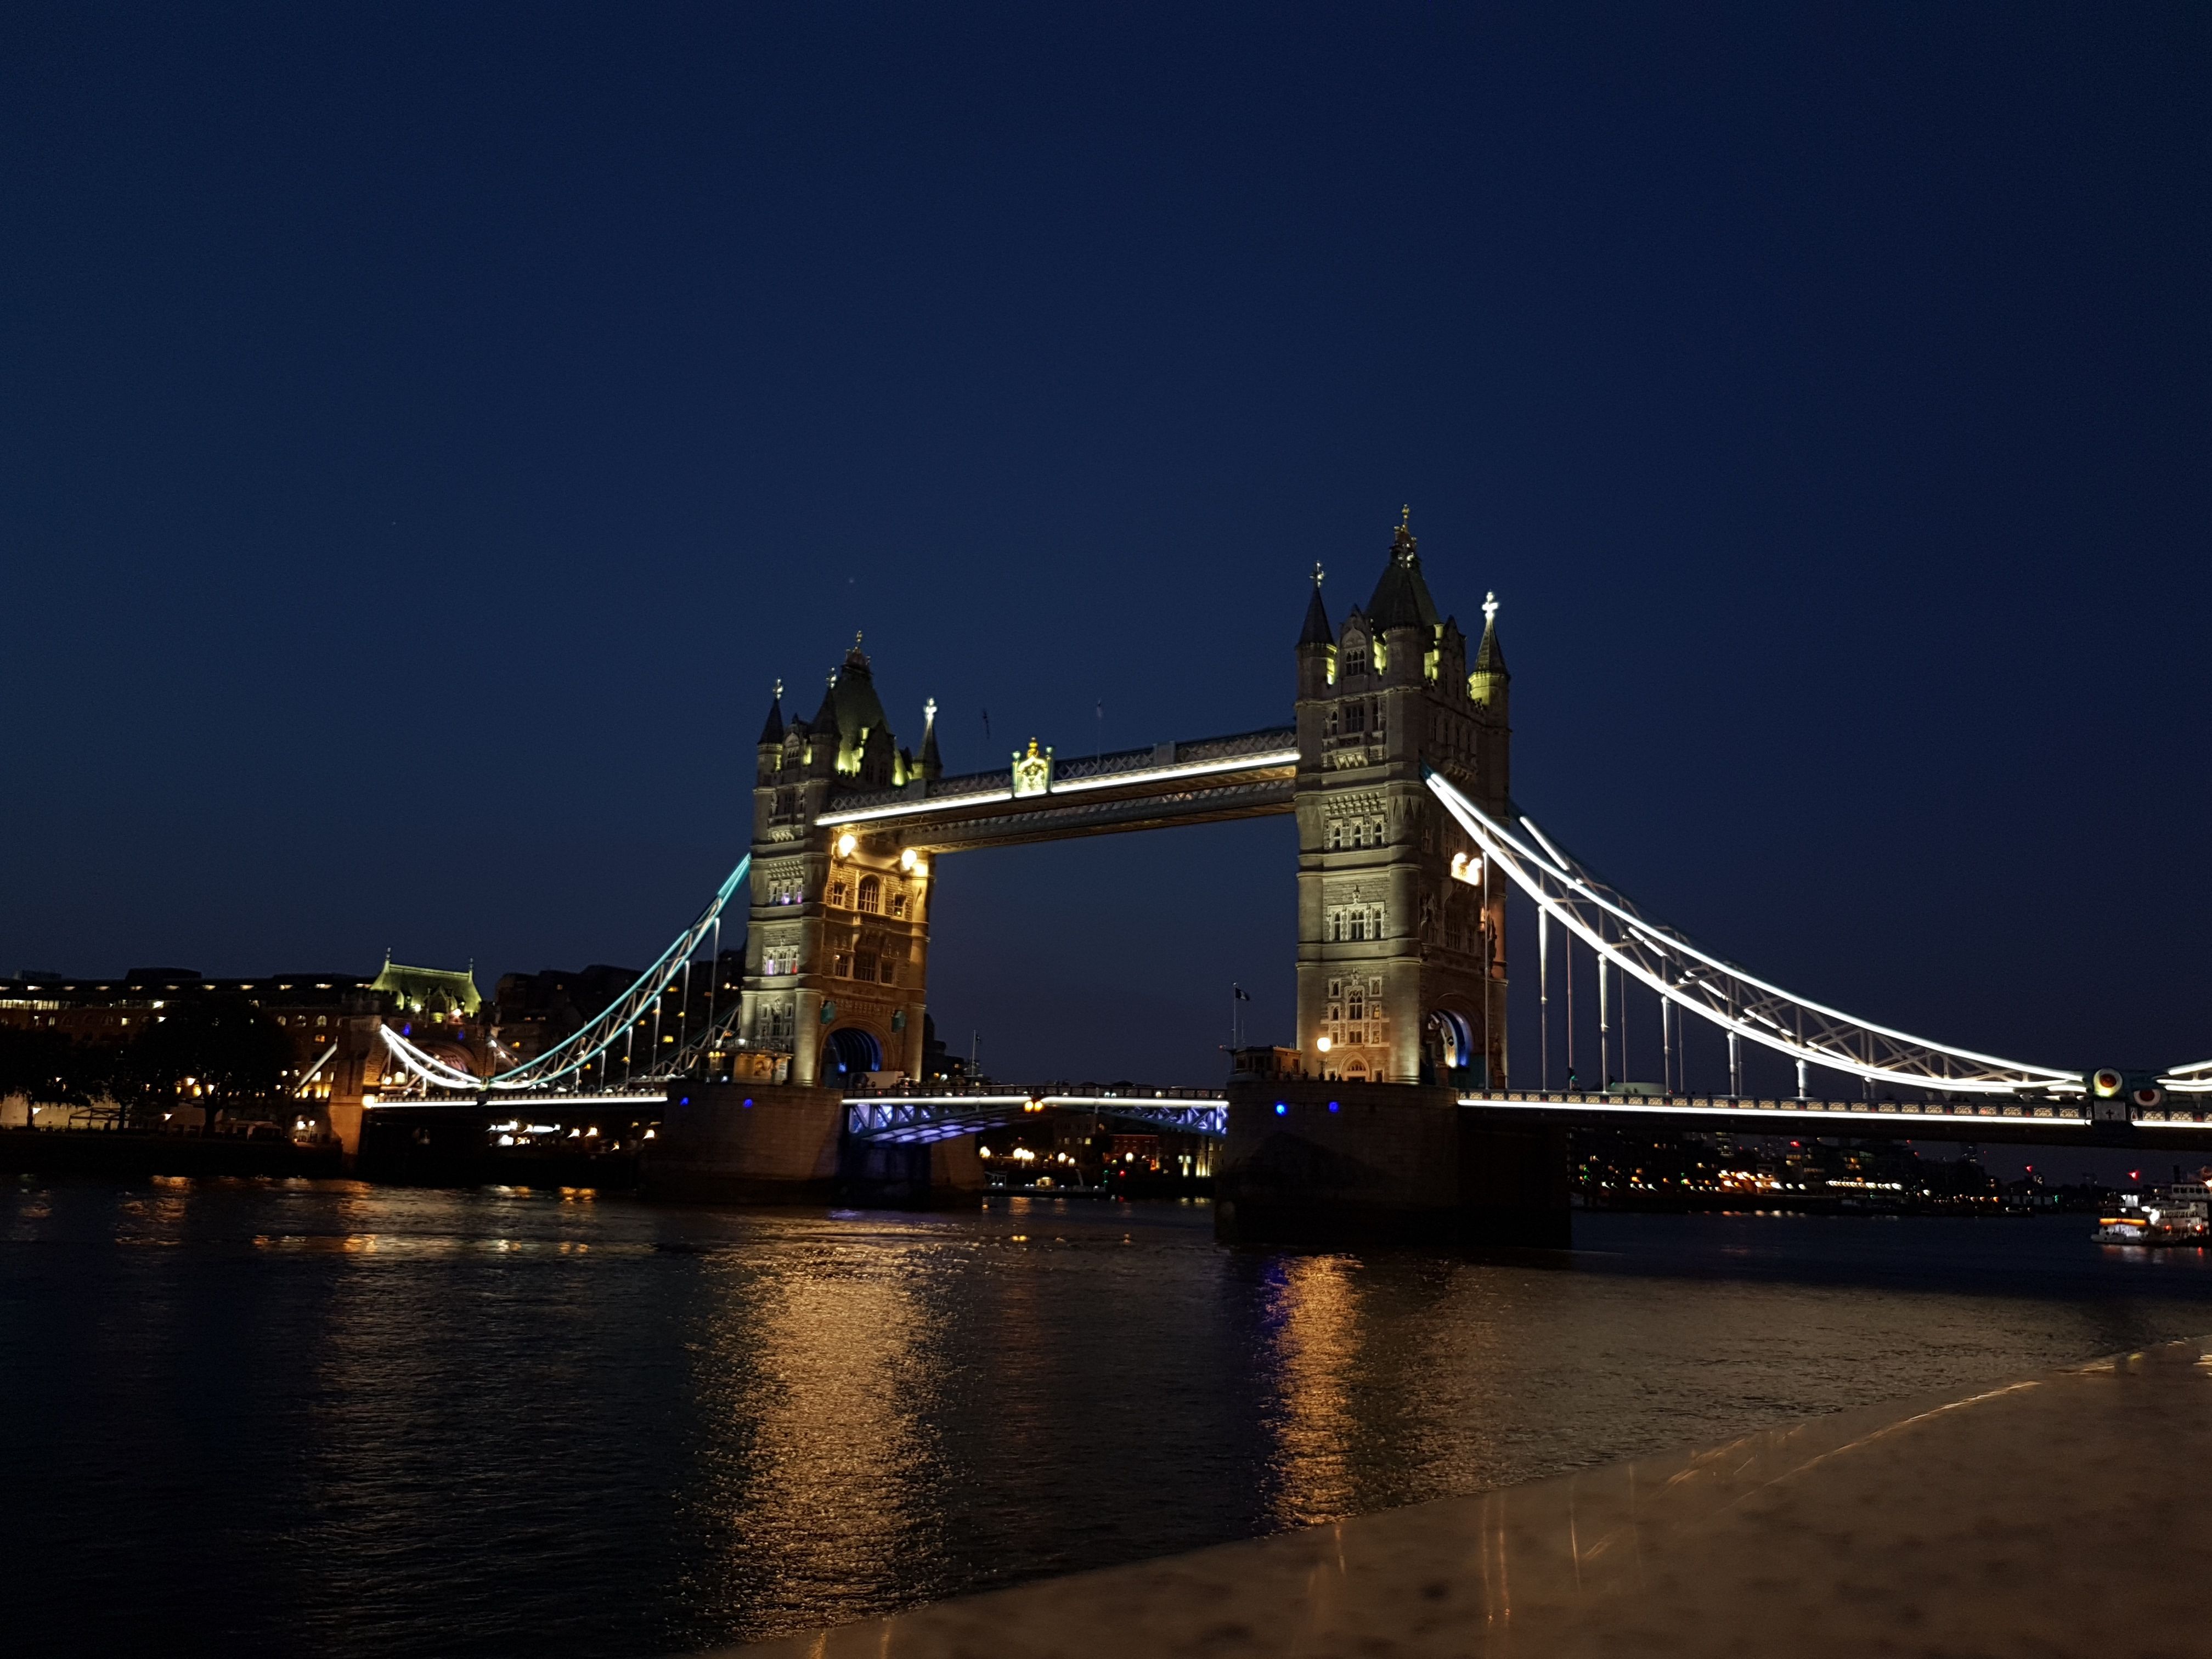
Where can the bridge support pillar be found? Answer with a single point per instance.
(1333, 1164)
(746, 1143)
(942, 1175)
(785, 1143)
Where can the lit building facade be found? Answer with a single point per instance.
(1401, 943)
(837, 942)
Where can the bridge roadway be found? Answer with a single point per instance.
(1206, 780)
(916, 1116)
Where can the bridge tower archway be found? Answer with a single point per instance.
(1450, 1050)
(850, 1052)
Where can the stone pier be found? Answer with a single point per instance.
(1332, 1164)
(785, 1143)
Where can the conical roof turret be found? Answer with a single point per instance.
(853, 694)
(1401, 598)
(932, 766)
(1316, 630)
(772, 728)
(1489, 656)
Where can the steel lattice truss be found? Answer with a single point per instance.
(1608, 922)
(568, 1057)
(918, 1118)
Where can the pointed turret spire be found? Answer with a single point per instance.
(772, 728)
(1317, 630)
(932, 766)
(1490, 656)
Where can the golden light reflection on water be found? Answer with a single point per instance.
(814, 1381)
(1316, 1319)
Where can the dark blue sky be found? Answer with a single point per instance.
(424, 436)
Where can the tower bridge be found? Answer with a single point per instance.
(1399, 1096)
(1401, 960)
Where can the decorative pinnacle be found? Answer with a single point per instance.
(1317, 572)
(779, 690)
(1406, 516)
(856, 639)
(928, 714)
(1489, 609)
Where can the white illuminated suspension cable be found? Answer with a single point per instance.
(581, 1047)
(578, 1048)
(1657, 958)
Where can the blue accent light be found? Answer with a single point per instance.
(1332, 1105)
(1281, 1110)
(749, 1102)
(686, 1101)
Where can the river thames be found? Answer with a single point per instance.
(326, 1417)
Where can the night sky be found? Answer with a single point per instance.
(426, 436)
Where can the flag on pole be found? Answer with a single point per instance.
(1243, 996)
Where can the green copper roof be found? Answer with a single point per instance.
(434, 990)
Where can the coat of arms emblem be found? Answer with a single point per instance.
(1032, 771)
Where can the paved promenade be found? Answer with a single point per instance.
(2063, 1514)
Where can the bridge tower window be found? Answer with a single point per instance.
(898, 905)
(841, 964)
(871, 895)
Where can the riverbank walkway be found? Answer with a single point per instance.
(2065, 1513)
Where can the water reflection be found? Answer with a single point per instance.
(817, 1483)
(380, 1424)
(1314, 1319)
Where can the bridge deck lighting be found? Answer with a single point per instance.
(846, 843)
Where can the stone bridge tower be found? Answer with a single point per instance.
(837, 942)
(1401, 941)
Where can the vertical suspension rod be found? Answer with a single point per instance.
(1604, 1028)
(1544, 997)
(1569, 942)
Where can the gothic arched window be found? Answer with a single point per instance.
(871, 895)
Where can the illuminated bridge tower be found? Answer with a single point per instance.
(1401, 951)
(837, 945)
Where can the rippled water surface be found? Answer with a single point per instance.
(331, 1418)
